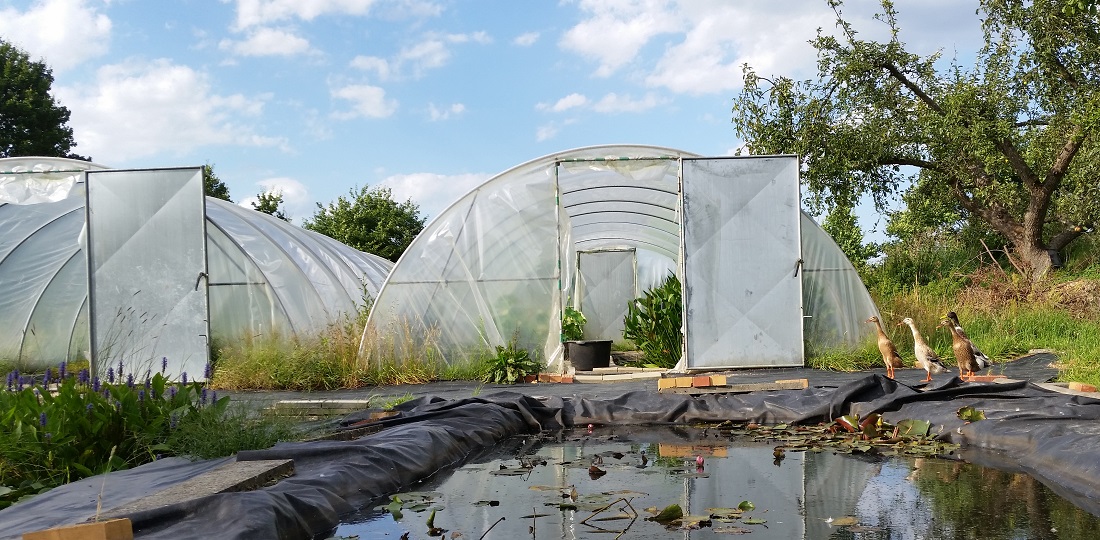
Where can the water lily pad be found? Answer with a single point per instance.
(754, 521)
(970, 414)
(671, 513)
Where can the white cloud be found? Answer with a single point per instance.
(571, 101)
(267, 42)
(614, 103)
(64, 33)
(260, 12)
(437, 114)
(434, 51)
(699, 46)
(366, 101)
(296, 200)
(546, 132)
(616, 31)
(432, 192)
(139, 109)
(372, 63)
(526, 39)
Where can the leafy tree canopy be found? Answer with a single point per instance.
(271, 203)
(1009, 143)
(32, 123)
(212, 186)
(369, 220)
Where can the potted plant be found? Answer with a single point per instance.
(583, 355)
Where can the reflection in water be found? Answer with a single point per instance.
(811, 495)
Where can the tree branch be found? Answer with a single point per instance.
(912, 86)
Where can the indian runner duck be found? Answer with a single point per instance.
(927, 359)
(983, 360)
(886, 347)
(964, 354)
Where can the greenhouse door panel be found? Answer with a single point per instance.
(741, 240)
(608, 283)
(147, 271)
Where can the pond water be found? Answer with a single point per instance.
(606, 484)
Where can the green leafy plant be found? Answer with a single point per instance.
(61, 426)
(654, 323)
(572, 325)
(511, 364)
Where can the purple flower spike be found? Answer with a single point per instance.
(120, 368)
(88, 408)
(214, 396)
(49, 376)
(206, 372)
(203, 399)
(129, 380)
(83, 376)
(141, 396)
(110, 375)
(95, 384)
(163, 365)
(61, 370)
(184, 377)
(49, 436)
(42, 419)
(172, 392)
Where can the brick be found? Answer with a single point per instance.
(717, 380)
(667, 382)
(683, 382)
(1081, 387)
(700, 381)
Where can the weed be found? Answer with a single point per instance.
(511, 364)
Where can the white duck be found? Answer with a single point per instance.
(927, 359)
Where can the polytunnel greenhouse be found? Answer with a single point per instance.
(596, 227)
(170, 268)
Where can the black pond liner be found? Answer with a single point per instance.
(1055, 437)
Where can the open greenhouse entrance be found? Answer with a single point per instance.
(741, 262)
(147, 270)
(608, 282)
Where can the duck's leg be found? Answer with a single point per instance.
(928, 378)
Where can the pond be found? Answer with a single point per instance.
(610, 483)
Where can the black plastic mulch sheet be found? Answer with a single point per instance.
(1053, 436)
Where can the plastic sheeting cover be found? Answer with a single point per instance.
(1050, 435)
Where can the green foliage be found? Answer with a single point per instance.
(842, 226)
(270, 203)
(369, 220)
(511, 364)
(654, 323)
(211, 432)
(212, 186)
(32, 123)
(61, 427)
(1009, 143)
(572, 325)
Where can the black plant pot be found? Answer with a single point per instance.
(586, 355)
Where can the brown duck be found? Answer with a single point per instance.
(889, 352)
(983, 360)
(927, 359)
(964, 352)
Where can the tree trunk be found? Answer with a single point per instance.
(1033, 260)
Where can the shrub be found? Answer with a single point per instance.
(572, 325)
(654, 323)
(511, 364)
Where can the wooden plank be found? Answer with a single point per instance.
(114, 529)
(796, 384)
(233, 476)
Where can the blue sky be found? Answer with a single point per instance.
(427, 97)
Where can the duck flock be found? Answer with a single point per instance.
(967, 355)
